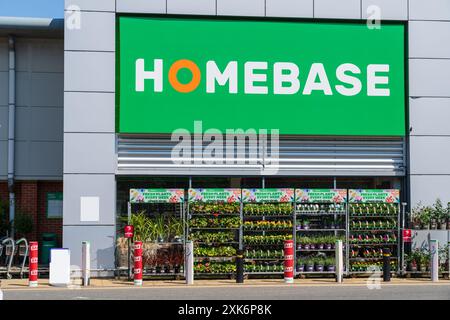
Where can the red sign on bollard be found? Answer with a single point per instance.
(138, 263)
(289, 261)
(33, 265)
(128, 231)
(407, 235)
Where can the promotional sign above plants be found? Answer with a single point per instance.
(332, 78)
(156, 195)
(214, 195)
(268, 195)
(321, 195)
(374, 195)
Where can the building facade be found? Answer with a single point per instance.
(101, 162)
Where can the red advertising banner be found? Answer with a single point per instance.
(138, 263)
(289, 261)
(33, 261)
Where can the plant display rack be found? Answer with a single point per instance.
(163, 251)
(320, 219)
(373, 224)
(214, 225)
(267, 222)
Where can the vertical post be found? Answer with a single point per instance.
(86, 262)
(263, 182)
(386, 265)
(400, 238)
(138, 263)
(334, 183)
(240, 252)
(434, 252)
(33, 265)
(189, 262)
(129, 241)
(240, 266)
(339, 257)
(289, 261)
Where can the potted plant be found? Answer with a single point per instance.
(309, 265)
(440, 214)
(330, 264)
(320, 243)
(300, 267)
(318, 264)
(305, 224)
(306, 242)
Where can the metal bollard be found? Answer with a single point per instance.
(386, 265)
(434, 259)
(138, 263)
(189, 262)
(86, 262)
(33, 264)
(339, 253)
(289, 261)
(240, 266)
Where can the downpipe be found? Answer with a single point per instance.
(11, 129)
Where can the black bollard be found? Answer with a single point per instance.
(386, 265)
(240, 266)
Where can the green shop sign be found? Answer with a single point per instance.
(214, 195)
(374, 195)
(321, 195)
(268, 195)
(156, 195)
(307, 78)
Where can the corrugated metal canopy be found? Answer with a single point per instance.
(298, 156)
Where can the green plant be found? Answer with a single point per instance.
(144, 228)
(439, 213)
(4, 220)
(23, 223)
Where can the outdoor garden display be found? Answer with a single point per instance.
(432, 217)
(320, 220)
(373, 225)
(267, 223)
(214, 224)
(158, 221)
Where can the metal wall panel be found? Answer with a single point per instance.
(241, 8)
(89, 153)
(97, 30)
(89, 112)
(427, 188)
(297, 156)
(89, 185)
(102, 245)
(429, 10)
(430, 154)
(429, 116)
(425, 39)
(207, 7)
(389, 9)
(90, 5)
(89, 71)
(142, 6)
(429, 77)
(290, 8)
(342, 9)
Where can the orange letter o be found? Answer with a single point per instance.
(188, 64)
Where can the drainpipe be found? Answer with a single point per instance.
(11, 128)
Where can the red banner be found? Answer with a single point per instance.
(33, 263)
(138, 263)
(289, 261)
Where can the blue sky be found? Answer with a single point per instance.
(32, 8)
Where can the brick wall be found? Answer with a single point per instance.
(31, 198)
